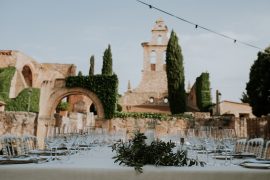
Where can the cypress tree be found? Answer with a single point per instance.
(92, 66)
(107, 62)
(80, 73)
(175, 76)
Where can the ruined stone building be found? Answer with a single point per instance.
(50, 80)
(29, 73)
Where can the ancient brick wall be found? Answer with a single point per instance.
(18, 123)
(258, 127)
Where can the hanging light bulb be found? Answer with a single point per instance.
(234, 41)
(196, 26)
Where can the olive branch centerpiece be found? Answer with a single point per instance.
(136, 153)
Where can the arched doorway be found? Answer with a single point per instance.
(56, 97)
(27, 74)
(76, 119)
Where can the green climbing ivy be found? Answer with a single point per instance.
(6, 75)
(157, 116)
(20, 103)
(105, 87)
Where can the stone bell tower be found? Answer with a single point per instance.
(154, 66)
(151, 94)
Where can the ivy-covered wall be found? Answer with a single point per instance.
(105, 87)
(203, 93)
(6, 75)
(20, 103)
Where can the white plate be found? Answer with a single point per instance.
(256, 165)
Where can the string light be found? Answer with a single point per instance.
(202, 27)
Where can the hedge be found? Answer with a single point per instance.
(105, 87)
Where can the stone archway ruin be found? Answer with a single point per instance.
(56, 96)
(49, 99)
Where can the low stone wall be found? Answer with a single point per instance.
(174, 125)
(130, 125)
(18, 123)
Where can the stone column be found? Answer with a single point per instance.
(42, 128)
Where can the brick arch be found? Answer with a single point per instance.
(59, 94)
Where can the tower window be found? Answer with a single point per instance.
(159, 40)
(165, 100)
(153, 57)
(151, 100)
(153, 67)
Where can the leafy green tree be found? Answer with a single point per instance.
(258, 87)
(80, 73)
(245, 98)
(175, 76)
(107, 62)
(92, 66)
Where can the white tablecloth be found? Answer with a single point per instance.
(97, 164)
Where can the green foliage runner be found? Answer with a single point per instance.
(136, 153)
(175, 76)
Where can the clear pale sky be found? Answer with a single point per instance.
(68, 31)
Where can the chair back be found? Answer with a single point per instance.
(266, 154)
(255, 146)
(240, 145)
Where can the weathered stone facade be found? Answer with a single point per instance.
(18, 123)
(29, 73)
(151, 94)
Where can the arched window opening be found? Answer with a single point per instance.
(93, 109)
(165, 100)
(151, 100)
(27, 74)
(164, 57)
(159, 40)
(153, 57)
(153, 60)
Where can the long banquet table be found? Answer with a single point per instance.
(97, 164)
